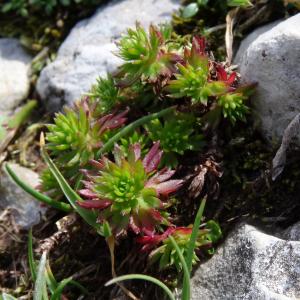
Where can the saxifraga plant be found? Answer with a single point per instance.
(176, 135)
(165, 252)
(145, 55)
(74, 139)
(183, 72)
(76, 134)
(128, 191)
(196, 80)
(106, 94)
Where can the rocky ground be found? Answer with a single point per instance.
(258, 207)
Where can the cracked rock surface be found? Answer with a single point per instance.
(251, 265)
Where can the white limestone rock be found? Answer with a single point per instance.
(248, 40)
(26, 210)
(250, 265)
(273, 61)
(14, 74)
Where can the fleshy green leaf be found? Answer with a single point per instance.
(215, 232)
(190, 10)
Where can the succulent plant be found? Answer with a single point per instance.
(144, 54)
(193, 77)
(176, 135)
(106, 94)
(136, 138)
(76, 134)
(232, 102)
(165, 252)
(128, 192)
(233, 106)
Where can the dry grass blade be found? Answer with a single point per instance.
(10, 125)
(111, 245)
(230, 19)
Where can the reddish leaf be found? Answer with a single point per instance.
(152, 159)
(167, 187)
(222, 75)
(87, 194)
(161, 176)
(96, 204)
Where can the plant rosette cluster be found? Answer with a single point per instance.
(75, 137)
(130, 192)
(186, 73)
(129, 188)
(206, 83)
(164, 251)
(177, 134)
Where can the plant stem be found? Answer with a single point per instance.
(111, 245)
(126, 130)
(31, 261)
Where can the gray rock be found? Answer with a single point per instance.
(292, 233)
(26, 210)
(250, 265)
(88, 50)
(14, 75)
(250, 39)
(273, 61)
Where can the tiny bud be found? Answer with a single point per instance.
(42, 140)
